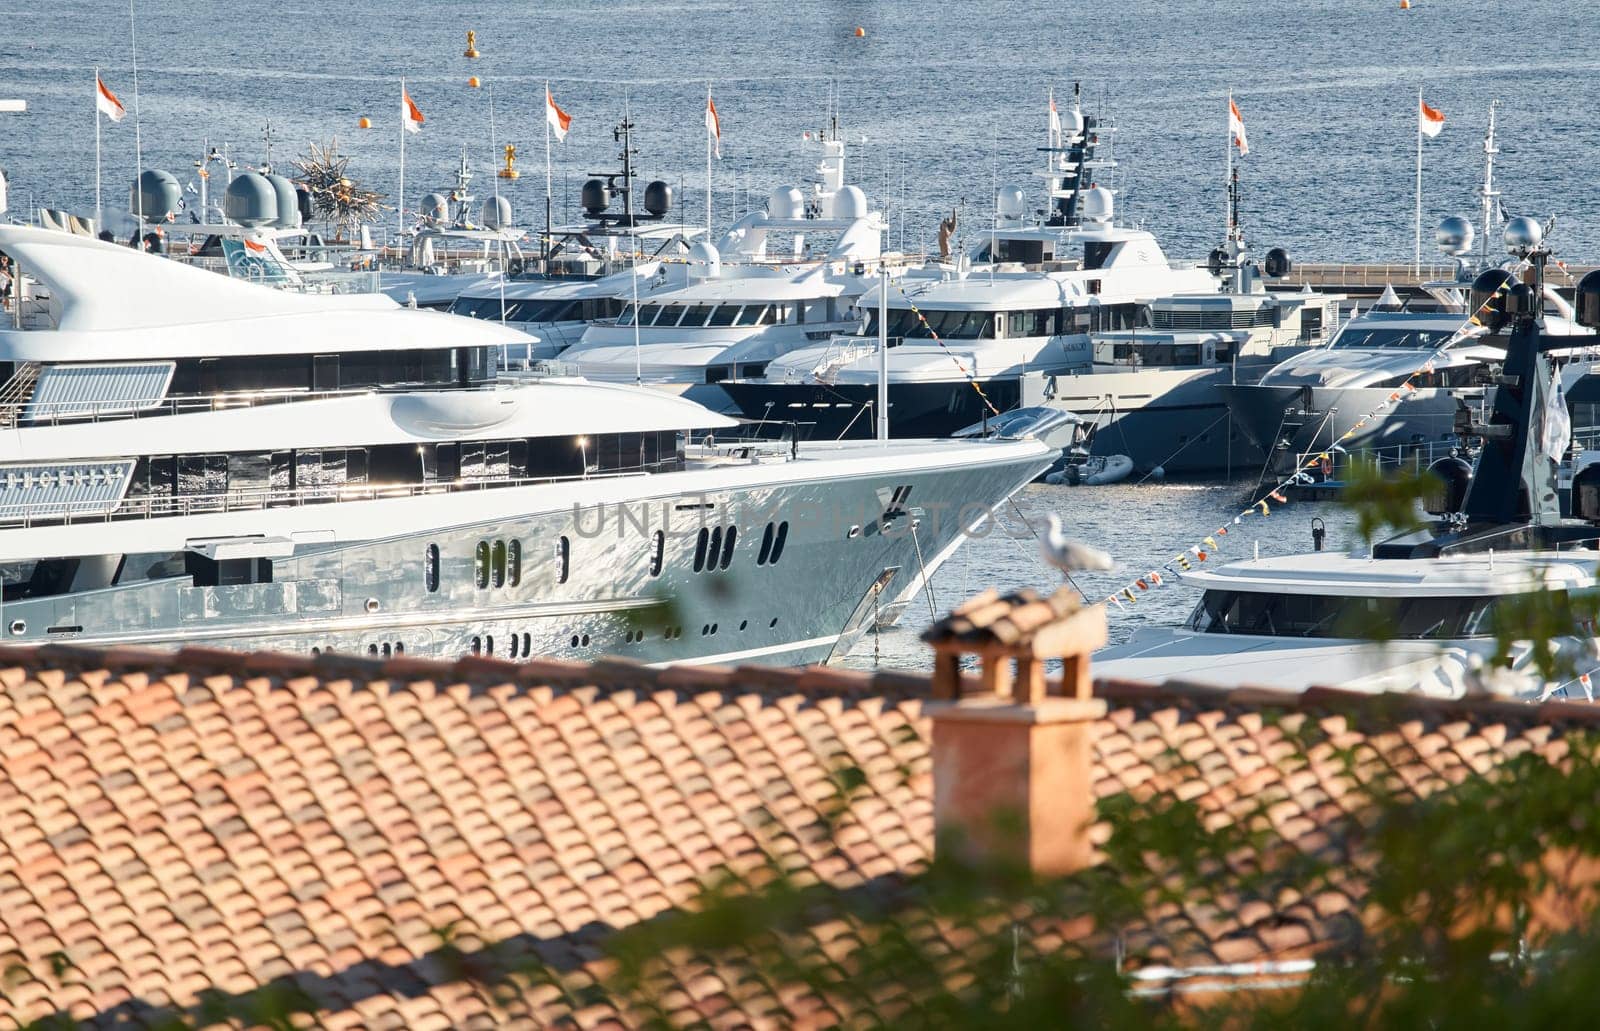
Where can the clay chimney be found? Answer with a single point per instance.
(1013, 760)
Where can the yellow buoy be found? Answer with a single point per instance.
(860, 32)
(473, 82)
(1405, 5)
(472, 44)
(365, 123)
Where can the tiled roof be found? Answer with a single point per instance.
(992, 618)
(176, 822)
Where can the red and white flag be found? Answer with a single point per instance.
(1429, 119)
(410, 114)
(1236, 128)
(713, 125)
(1055, 118)
(558, 120)
(106, 102)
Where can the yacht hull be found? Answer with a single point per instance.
(583, 575)
(1289, 421)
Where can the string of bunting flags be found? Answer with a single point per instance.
(972, 380)
(1210, 544)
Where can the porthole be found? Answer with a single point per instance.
(705, 629)
(388, 650)
(766, 546)
(700, 549)
(727, 546)
(779, 541)
(372, 604)
(372, 649)
(315, 651)
(480, 564)
(19, 626)
(714, 548)
(585, 640)
(713, 629)
(488, 645)
(511, 649)
(477, 646)
(514, 563)
(773, 623)
(743, 623)
(527, 644)
(855, 531)
(574, 640)
(399, 648)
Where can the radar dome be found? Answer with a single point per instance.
(1523, 234)
(1586, 300)
(1488, 296)
(704, 260)
(302, 197)
(658, 198)
(288, 203)
(1098, 206)
(251, 200)
(156, 194)
(1278, 264)
(1446, 490)
(850, 202)
(496, 213)
(1011, 202)
(1454, 236)
(786, 202)
(595, 197)
(435, 207)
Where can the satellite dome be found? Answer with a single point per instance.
(1277, 264)
(786, 202)
(251, 201)
(850, 202)
(704, 260)
(658, 198)
(288, 202)
(1523, 234)
(1011, 202)
(496, 213)
(595, 197)
(1586, 300)
(1488, 297)
(156, 194)
(1098, 206)
(1454, 236)
(435, 207)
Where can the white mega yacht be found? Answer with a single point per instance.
(1432, 595)
(779, 279)
(191, 459)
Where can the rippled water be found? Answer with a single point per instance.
(948, 97)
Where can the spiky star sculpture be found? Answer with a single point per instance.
(335, 197)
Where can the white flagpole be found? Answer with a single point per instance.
(1416, 267)
(400, 199)
(138, 146)
(99, 217)
(708, 163)
(1227, 173)
(548, 179)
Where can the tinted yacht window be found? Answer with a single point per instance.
(1391, 336)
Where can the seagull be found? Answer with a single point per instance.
(1068, 555)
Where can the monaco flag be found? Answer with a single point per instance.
(713, 125)
(1429, 119)
(106, 102)
(558, 120)
(1236, 128)
(410, 114)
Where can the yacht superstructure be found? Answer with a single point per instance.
(193, 459)
(778, 280)
(1439, 600)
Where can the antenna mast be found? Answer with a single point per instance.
(1489, 194)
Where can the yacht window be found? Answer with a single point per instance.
(652, 314)
(480, 565)
(563, 559)
(430, 568)
(714, 548)
(779, 541)
(722, 315)
(473, 460)
(626, 318)
(1095, 255)
(202, 474)
(750, 315)
(497, 564)
(700, 541)
(727, 546)
(766, 546)
(658, 553)
(249, 472)
(695, 315)
(514, 563)
(325, 372)
(1311, 615)
(778, 314)
(1356, 335)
